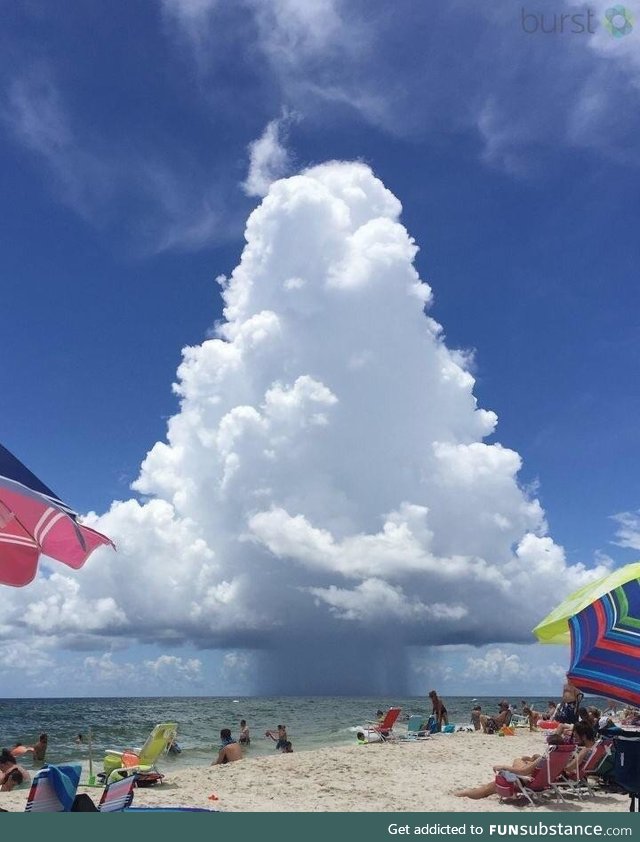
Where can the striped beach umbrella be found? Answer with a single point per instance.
(605, 645)
(555, 626)
(35, 521)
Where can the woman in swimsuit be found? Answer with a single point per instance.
(11, 774)
(439, 710)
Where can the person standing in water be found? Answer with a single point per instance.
(244, 738)
(279, 736)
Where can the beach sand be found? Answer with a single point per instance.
(413, 776)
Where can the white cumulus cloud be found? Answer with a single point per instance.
(308, 508)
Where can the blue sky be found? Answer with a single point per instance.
(125, 141)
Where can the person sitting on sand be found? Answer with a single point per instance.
(439, 710)
(522, 766)
(476, 712)
(229, 749)
(361, 739)
(11, 774)
(534, 716)
(244, 738)
(492, 724)
(280, 736)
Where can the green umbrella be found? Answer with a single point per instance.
(555, 626)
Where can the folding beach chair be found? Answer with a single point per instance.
(415, 731)
(384, 730)
(576, 778)
(53, 789)
(117, 795)
(546, 773)
(143, 760)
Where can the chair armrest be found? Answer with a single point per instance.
(513, 776)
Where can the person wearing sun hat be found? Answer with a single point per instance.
(492, 724)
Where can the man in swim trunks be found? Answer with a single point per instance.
(39, 750)
(229, 749)
(280, 736)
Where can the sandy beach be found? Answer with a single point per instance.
(419, 776)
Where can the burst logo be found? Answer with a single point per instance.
(619, 21)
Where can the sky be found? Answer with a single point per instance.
(326, 313)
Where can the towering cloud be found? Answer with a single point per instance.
(326, 495)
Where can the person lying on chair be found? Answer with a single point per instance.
(521, 766)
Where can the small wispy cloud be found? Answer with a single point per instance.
(192, 19)
(35, 115)
(269, 158)
(517, 94)
(628, 532)
(166, 206)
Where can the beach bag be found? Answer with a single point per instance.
(432, 725)
(82, 803)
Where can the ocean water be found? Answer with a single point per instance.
(119, 723)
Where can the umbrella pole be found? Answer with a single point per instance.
(92, 778)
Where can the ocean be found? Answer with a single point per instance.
(118, 723)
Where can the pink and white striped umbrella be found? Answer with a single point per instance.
(34, 521)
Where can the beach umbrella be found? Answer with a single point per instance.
(605, 645)
(555, 626)
(33, 522)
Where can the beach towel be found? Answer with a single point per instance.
(65, 779)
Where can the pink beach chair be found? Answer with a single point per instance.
(576, 777)
(543, 779)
